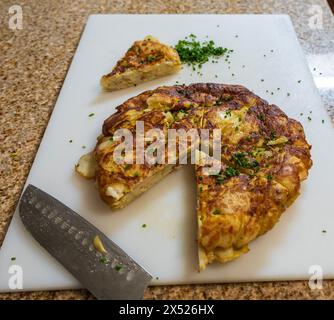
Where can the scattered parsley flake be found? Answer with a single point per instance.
(323, 121)
(13, 258)
(104, 260)
(228, 173)
(216, 212)
(242, 161)
(324, 231)
(270, 177)
(91, 114)
(144, 225)
(118, 267)
(70, 141)
(127, 166)
(309, 118)
(83, 147)
(299, 81)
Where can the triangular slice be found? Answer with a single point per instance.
(146, 60)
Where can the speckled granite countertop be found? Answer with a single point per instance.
(33, 65)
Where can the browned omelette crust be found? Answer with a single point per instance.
(267, 151)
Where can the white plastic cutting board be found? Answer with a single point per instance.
(167, 246)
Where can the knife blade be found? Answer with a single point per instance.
(104, 269)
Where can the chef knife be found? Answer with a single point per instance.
(97, 262)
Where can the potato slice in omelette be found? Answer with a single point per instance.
(264, 159)
(146, 60)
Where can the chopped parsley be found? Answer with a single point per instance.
(144, 225)
(225, 99)
(195, 53)
(242, 161)
(270, 177)
(91, 114)
(118, 267)
(104, 260)
(127, 166)
(13, 258)
(228, 173)
(299, 81)
(324, 231)
(216, 212)
(228, 114)
(231, 172)
(70, 141)
(151, 58)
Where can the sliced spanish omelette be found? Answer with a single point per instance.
(264, 158)
(146, 60)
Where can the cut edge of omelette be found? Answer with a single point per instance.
(146, 60)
